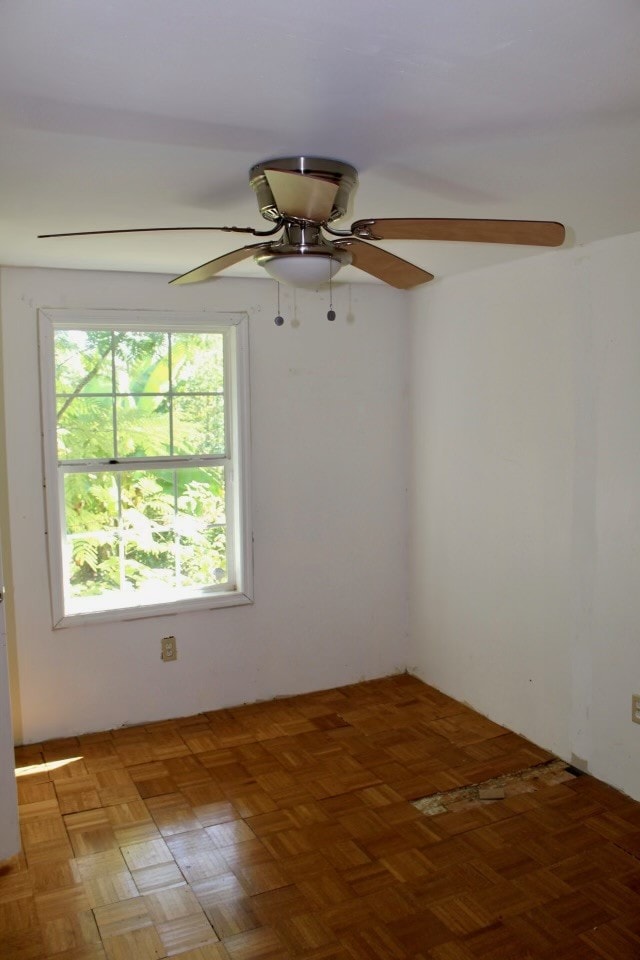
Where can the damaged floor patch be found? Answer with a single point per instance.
(499, 788)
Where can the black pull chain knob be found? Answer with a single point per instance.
(331, 315)
(279, 321)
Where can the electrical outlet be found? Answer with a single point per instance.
(169, 650)
(635, 707)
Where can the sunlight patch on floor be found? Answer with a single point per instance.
(44, 767)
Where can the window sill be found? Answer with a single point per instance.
(211, 601)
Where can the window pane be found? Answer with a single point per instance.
(143, 426)
(152, 527)
(145, 530)
(90, 501)
(83, 361)
(148, 519)
(200, 495)
(142, 362)
(90, 523)
(93, 564)
(198, 362)
(203, 558)
(201, 525)
(85, 428)
(198, 425)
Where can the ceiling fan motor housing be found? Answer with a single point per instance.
(333, 171)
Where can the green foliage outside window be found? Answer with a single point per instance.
(142, 395)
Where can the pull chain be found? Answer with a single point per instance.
(279, 320)
(331, 314)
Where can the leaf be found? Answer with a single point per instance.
(85, 553)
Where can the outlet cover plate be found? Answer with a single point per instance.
(169, 650)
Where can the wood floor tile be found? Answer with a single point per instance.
(332, 951)
(61, 903)
(115, 919)
(196, 855)
(227, 905)
(260, 944)
(92, 952)
(43, 830)
(345, 854)
(33, 791)
(143, 944)
(368, 878)
(253, 803)
(22, 945)
(285, 831)
(448, 951)
(379, 943)
(18, 916)
(38, 809)
(455, 880)
(90, 832)
(245, 854)
(459, 915)
(230, 832)
(261, 877)
(186, 933)
(172, 903)
(110, 888)
(71, 932)
(101, 864)
(78, 794)
(49, 850)
(230, 917)
(51, 875)
(498, 940)
(186, 770)
(303, 932)
(342, 918)
(212, 951)
(134, 753)
(210, 812)
(612, 942)
(160, 876)
(149, 853)
(132, 822)
(577, 913)
(172, 814)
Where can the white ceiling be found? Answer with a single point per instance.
(124, 113)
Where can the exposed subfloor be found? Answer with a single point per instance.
(287, 830)
(495, 789)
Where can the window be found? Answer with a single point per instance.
(145, 451)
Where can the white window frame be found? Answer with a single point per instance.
(234, 327)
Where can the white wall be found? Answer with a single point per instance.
(9, 830)
(329, 476)
(9, 827)
(525, 501)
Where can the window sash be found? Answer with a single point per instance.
(234, 461)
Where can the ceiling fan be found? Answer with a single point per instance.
(302, 196)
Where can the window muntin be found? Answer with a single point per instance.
(145, 457)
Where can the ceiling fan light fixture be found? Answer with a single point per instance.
(303, 269)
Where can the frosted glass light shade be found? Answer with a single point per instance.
(309, 270)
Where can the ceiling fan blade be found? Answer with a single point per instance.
(95, 233)
(384, 265)
(302, 196)
(542, 233)
(207, 270)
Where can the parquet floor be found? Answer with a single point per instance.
(283, 830)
